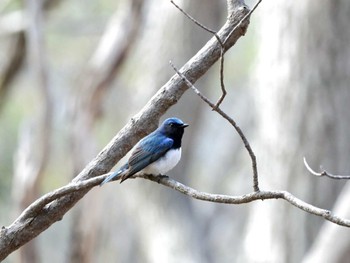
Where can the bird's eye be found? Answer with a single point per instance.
(171, 124)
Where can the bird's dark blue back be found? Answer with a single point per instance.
(152, 147)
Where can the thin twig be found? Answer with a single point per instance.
(222, 52)
(222, 45)
(325, 173)
(215, 107)
(194, 20)
(231, 121)
(223, 89)
(222, 83)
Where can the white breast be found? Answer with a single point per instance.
(164, 164)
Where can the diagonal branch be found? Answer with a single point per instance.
(28, 227)
(246, 17)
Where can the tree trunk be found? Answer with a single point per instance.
(34, 147)
(302, 93)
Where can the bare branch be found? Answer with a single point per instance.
(231, 7)
(195, 21)
(231, 121)
(48, 198)
(22, 231)
(242, 20)
(222, 83)
(247, 198)
(222, 52)
(325, 173)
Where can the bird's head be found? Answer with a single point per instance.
(173, 127)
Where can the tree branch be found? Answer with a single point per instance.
(245, 18)
(325, 173)
(250, 197)
(232, 122)
(230, 6)
(26, 228)
(222, 52)
(48, 198)
(276, 194)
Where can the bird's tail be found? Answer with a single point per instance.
(114, 175)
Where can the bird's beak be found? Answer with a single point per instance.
(184, 125)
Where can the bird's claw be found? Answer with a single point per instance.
(161, 176)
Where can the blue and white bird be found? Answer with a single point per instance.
(155, 154)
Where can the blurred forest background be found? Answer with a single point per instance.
(74, 72)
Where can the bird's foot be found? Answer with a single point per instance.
(161, 176)
(155, 178)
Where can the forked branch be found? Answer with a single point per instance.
(230, 6)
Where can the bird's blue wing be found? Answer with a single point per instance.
(148, 151)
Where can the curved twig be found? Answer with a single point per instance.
(222, 52)
(231, 121)
(325, 173)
